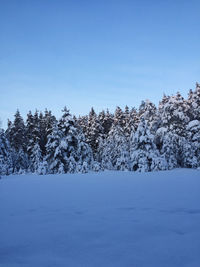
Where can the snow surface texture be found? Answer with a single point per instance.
(101, 219)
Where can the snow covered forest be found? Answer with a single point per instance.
(148, 139)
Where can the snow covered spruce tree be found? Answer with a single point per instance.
(114, 150)
(148, 111)
(33, 140)
(194, 103)
(54, 156)
(144, 156)
(38, 126)
(134, 120)
(94, 132)
(106, 121)
(66, 149)
(174, 114)
(5, 155)
(46, 123)
(192, 146)
(170, 146)
(18, 142)
(171, 136)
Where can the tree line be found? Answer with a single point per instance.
(148, 139)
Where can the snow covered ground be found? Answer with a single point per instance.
(101, 219)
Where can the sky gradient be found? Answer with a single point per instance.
(95, 53)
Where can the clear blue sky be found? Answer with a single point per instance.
(95, 53)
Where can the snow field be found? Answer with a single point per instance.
(108, 218)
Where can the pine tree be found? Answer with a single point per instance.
(18, 142)
(94, 132)
(54, 156)
(144, 155)
(106, 121)
(5, 155)
(173, 112)
(119, 117)
(29, 125)
(84, 153)
(194, 103)
(127, 122)
(33, 142)
(46, 123)
(148, 111)
(169, 146)
(66, 148)
(134, 120)
(114, 150)
(16, 133)
(29, 132)
(192, 146)
(42, 133)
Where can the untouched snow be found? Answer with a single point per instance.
(101, 219)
